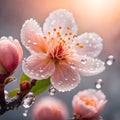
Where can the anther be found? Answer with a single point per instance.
(60, 27)
(49, 33)
(54, 29)
(68, 27)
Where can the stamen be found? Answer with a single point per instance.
(54, 29)
(60, 27)
(68, 38)
(68, 27)
(49, 33)
(66, 34)
(45, 37)
(70, 33)
(74, 36)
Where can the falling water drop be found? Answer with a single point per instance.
(28, 100)
(52, 91)
(99, 83)
(110, 60)
(25, 113)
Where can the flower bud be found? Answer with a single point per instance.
(50, 109)
(10, 56)
(88, 104)
(24, 87)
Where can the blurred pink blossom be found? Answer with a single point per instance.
(10, 55)
(57, 52)
(49, 108)
(88, 104)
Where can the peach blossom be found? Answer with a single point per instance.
(10, 55)
(49, 108)
(57, 52)
(88, 104)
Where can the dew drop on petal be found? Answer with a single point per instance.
(83, 60)
(66, 78)
(52, 91)
(34, 43)
(29, 41)
(98, 84)
(25, 113)
(110, 60)
(29, 100)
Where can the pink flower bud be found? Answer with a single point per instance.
(25, 87)
(89, 103)
(10, 55)
(49, 108)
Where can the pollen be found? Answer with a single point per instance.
(66, 34)
(60, 27)
(45, 37)
(54, 29)
(70, 33)
(74, 36)
(49, 33)
(68, 28)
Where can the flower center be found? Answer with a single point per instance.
(89, 101)
(60, 44)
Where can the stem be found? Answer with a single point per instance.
(14, 102)
(2, 96)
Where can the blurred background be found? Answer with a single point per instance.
(100, 16)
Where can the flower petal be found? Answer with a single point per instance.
(60, 18)
(38, 66)
(31, 36)
(91, 42)
(65, 77)
(90, 66)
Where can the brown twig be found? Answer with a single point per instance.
(16, 101)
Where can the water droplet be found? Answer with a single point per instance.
(42, 76)
(99, 83)
(41, 70)
(25, 113)
(28, 100)
(83, 60)
(34, 43)
(66, 78)
(52, 91)
(110, 60)
(6, 94)
(29, 41)
(73, 67)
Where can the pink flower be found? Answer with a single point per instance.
(58, 52)
(88, 104)
(10, 55)
(49, 108)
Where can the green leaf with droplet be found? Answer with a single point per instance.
(13, 93)
(24, 77)
(40, 86)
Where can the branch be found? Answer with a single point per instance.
(16, 101)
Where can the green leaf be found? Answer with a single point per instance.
(40, 86)
(24, 77)
(13, 93)
(9, 79)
